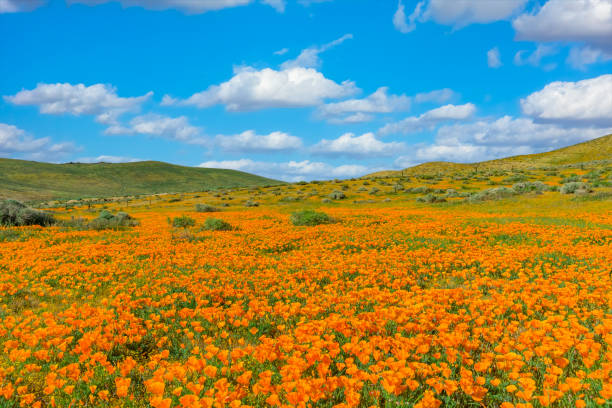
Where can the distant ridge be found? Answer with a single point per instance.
(596, 149)
(35, 181)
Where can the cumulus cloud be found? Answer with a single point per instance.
(17, 6)
(185, 6)
(430, 119)
(249, 141)
(535, 58)
(587, 102)
(107, 159)
(366, 145)
(405, 24)
(252, 89)
(16, 141)
(459, 13)
(99, 100)
(587, 21)
(494, 58)
(309, 57)
(378, 102)
(491, 139)
(292, 170)
(178, 129)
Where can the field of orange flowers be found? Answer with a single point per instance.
(389, 306)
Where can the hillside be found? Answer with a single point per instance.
(596, 149)
(29, 181)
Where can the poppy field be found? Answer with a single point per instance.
(393, 300)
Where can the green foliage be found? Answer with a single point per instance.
(337, 195)
(492, 194)
(251, 203)
(309, 218)
(15, 213)
(106, 220)
(530, 187)
(205, 208)
(575, 188)
(215, 224)
(183, 221)
(431, 198)
(572, 178)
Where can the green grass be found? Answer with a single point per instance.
(596, 149)
(34, 181)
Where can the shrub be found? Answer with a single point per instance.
(215, 224)
(337, 195)
(251, 203)
(419, 190)
(290, 199)
(362, 189)
(572, 178)
(106, 220)
(205, 208)
(515, 178)
(183, 222)
(430, 198)
(326, 201)
(493, 194)
(374, 191)
(575, 187)
(309, 218)
(530, 187)
(15, 213)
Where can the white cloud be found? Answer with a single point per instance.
(366, 145)
(506, 136)
(309, 57)
(494, 58)
(430, 119)
(251, 89)
(178, 129)
(460, 13)
(17, 6)
(405, 24)
(354, 118)
(436, 96)
(378, 102)
(249, 141)
(581, 57)
(279, 5)
(535, 58)
(99, 99)
(14, 140)
(282, 51)
(292, 170)
(107, 159)
(588, 21)
(587, 102)
(185, 6)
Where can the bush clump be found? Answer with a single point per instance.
(183, 222)
(14, 213)
(431, 198)
(215, 224)
(530, 187)
(205, 208)
(309, 218)
(575, 187)
(337, 195)
(493, 194)
(251, 203)
(106, 220)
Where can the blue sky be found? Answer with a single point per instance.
(301, 89)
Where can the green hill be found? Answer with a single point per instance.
(596, 149)
(34, 181)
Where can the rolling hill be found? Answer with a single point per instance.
(34, 181)
(596, 149)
